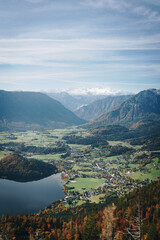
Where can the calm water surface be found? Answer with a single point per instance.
(29, 197)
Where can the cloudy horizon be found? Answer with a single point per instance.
(47, 45)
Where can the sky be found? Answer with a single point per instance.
(62, 45)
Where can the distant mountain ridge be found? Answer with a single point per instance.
(143, 106)
(99, 107)
(74, 102)
(34, 108)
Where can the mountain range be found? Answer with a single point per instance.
(98, 107)
(22, 109)
(142, 106)
(75, 101)
(33, 108)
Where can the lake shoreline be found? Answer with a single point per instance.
(29, 197)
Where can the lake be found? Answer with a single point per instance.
(29, 197)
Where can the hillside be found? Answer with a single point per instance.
(141, 130)
(74, 102)
(92, 221)
(99, 107)
(143, 106)
(17, 168)
(21, 108)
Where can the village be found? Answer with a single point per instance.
(116, 173)
(90, 172)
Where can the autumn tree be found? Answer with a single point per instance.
(108, 223)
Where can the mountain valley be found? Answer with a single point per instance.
(109, 171)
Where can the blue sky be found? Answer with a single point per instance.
(72, 44)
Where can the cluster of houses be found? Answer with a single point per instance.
(117, 182)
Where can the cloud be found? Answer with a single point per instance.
(35, 1)
(55, 6)
(75, 59)
(94, 91)
(133, 7)
(113, 4)
(152, 2)
(149, 14)
(86, 41)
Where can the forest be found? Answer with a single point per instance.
(136, 214)
(17, 168)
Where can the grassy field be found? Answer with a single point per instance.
(3, 154)
(85, 184)
(77, 146)
(87, 173)
(132, 165)
(110, 159)
(156, 161)
(152, 175)
(46, 157)
(96, 198)
(124, 144)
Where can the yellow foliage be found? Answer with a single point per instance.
(108, 223)
(145, 236)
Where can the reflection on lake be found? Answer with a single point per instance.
(29, 197)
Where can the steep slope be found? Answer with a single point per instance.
(34, 108)
(99, 107)
(143, 106)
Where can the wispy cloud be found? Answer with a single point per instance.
(113, 4)
(149, 14)
(55, 7)
(42, 51)
(127, 6)
(79, 42)
(34, 1)
(152, 2)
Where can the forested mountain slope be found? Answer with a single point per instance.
(99, 107)
(33, 108)
(143, 106)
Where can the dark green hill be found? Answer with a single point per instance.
(15, 167)
(33, 108)
(99, 107)
(143, 106)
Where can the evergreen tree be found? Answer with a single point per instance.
(152, 232)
